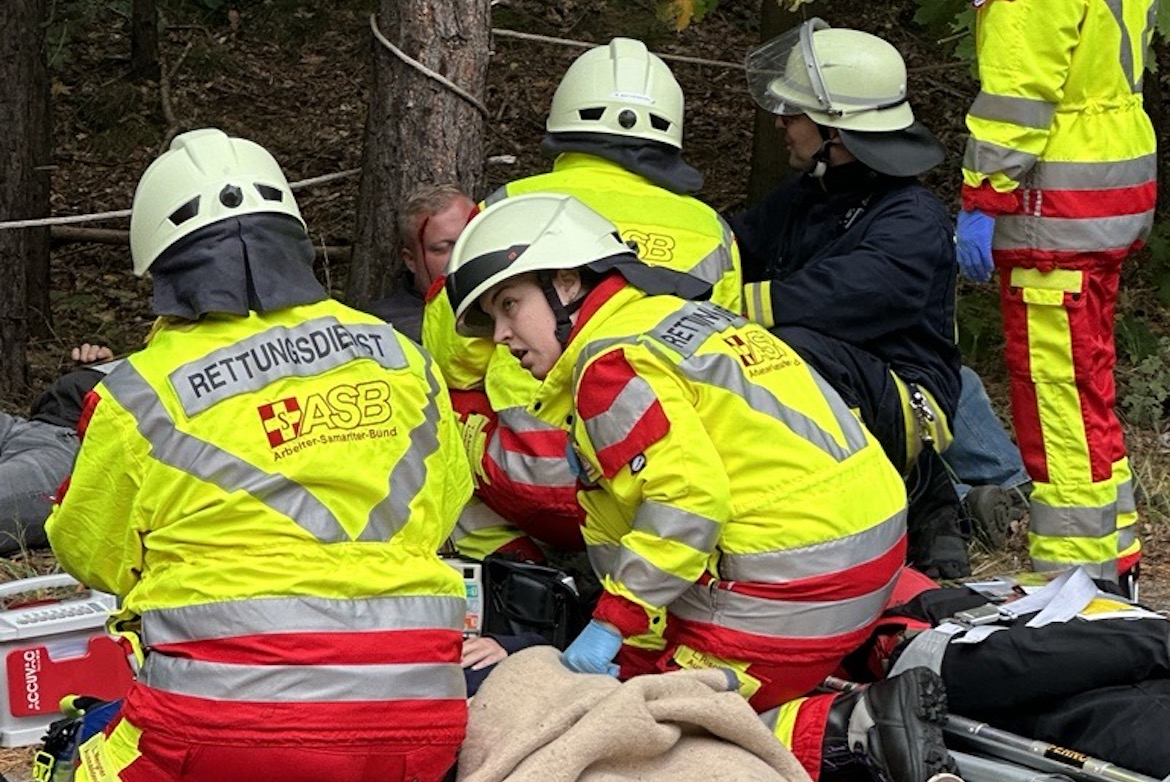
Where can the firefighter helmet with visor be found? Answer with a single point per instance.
(840, 78)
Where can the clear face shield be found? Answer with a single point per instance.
(784, 75)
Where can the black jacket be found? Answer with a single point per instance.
(864, 258)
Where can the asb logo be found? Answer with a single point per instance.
(344, 410)
(282, 420)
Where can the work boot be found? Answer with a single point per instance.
(894, 727)
(990, 510)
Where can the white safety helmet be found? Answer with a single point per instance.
(840, 78)
(535, 232)
(205, 176)
(620, 89)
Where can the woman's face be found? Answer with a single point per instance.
(525, 322)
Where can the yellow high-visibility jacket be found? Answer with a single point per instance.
(1058, 130)
(731, 485)
(671, 230)
(243, 481)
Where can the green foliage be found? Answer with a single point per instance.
(1157, 268)
(1144, 395)
(953, 22)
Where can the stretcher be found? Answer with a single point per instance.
(987, 754)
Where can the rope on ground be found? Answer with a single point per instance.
(418, 66)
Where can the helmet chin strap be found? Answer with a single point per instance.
(820, 158)
(563, 312)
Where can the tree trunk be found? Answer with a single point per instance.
(144, 41)
(769, 155)
(417, 130)
(24, 187)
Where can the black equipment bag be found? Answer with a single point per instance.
(528, 598)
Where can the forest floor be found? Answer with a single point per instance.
(293, 76)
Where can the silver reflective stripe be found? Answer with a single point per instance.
(925, 650)
(1015, 232)
(984, 157)
(1026, 112)
(1125, 499)
(603, 557)
(850, 425)
(1126, 537)
(770, 718)
(210, 463)
(303, 683)
(1126, 53)
(497, 195)
(780, 618)
(646, 580)
(615, 424)
(476, 517)
(1095, 175)
(304, 350)
(712, 266)
(268, 615)
(1072, 522)
(409, 474)
(1105, 570)
(688, 327)
(726, 373)
(670, 523)
(526, 467)
(815, 559)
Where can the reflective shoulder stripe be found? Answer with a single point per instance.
(303, 683)
(620, 411)
(684, 330)
(409, 475)
(210, 463)
(1026, 112)
(303, 350)
(300, 614)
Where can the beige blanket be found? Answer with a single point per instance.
(534, 720)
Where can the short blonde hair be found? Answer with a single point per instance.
(426, 201)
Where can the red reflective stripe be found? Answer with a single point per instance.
(242, 722)
(367, 648)
(988, 199)
(858, 581)
(1082, 204)
(626, 615)
(601, 384)
(548, 443)
(88, 405)
(776, 648)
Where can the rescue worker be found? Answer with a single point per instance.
(1059, 186)
(852, 261)
(428, 224)
(772, 562)
(615, 128)
(291, 609)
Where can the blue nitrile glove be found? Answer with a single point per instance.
(973, 244)
(594, 649)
